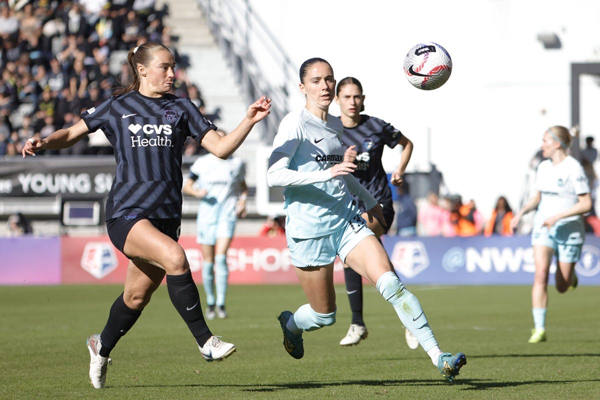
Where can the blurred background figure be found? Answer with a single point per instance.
(432, 217)
(273, 226)
(499, 222)
(18, 225)
(406, 212)
(465, 219)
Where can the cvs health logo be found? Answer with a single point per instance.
(159, 135)
(99, 259)
(409, 258)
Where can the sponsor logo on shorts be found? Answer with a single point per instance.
(130, 217)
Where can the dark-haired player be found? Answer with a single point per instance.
(323, 221)
(147, 127)
(368, 136)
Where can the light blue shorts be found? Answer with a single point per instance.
(319, 251)
(566, 239)
(221, 228)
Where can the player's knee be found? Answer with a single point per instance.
(175, 261)
(137, 300)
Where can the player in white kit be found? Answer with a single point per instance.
(323, 221)
(562, 196)
(221, 187)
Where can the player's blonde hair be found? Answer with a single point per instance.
(561, 135)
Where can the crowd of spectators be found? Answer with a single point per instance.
(59, 58)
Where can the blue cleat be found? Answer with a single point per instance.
(292, 342)
(449, 364)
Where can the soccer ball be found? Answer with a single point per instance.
(427, 66)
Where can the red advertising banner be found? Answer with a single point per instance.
(251, 260)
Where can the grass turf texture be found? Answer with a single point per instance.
(43, 352)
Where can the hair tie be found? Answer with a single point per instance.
(136, 49)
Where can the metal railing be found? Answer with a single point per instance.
(249, 46)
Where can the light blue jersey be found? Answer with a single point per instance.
(222, 180)
(313, 145)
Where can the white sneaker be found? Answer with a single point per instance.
(221, 313)
(98, 364)
(411, 340)
(355, 334)
(210, 313)
(216, 349)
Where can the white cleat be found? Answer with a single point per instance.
(411, 340)
(216, 349)
(221, 313)
(210, 313)
(98, 364)
(355, 334)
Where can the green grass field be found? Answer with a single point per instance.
(43, 352)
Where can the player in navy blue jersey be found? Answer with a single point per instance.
(366, 137)
(147, 127)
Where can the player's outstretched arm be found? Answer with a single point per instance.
(398, 174)
(223, 147)
(61, 139)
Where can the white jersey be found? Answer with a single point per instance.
(221, 179)
(559, 186)
(313, 146)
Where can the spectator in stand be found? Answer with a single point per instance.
(18, 225)
(432, 216)
(196, 97)
(499, 222)
(406, 212)
(9, 24)
(56, 76)
(75, 22)
(131, 30)
(65, 103)
(465, 219)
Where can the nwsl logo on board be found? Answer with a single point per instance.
(99, 259)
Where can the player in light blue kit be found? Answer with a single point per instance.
(323, 221)
(221, 187)
(562, 196)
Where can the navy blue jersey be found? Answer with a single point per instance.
(369, 137)
(148, 135)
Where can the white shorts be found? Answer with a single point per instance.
(319, 251)
(221, 228)
(566, 239)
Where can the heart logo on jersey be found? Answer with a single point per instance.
(135, 128)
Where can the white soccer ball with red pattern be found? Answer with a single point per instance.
(427, 66)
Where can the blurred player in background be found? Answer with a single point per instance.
(147, 127)
(366, 137)
(562, 196)
(221, 187)
(323, 221)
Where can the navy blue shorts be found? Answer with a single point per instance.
(118, 228)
